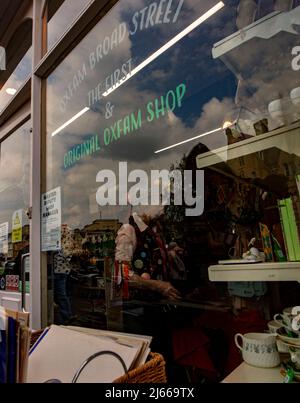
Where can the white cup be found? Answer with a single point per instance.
(273, 326)
(258, 349)
(282, 347)
(285, 318)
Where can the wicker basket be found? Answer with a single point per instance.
(153, 371)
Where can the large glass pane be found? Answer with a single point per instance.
(16, 80)
(14, 204)
(63, 18)
(182, 85)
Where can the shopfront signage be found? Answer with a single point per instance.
(82, 150)
(156, 13)
(17, 226)
(51, 220)
(153, 110)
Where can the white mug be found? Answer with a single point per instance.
(258, 349)
(286, 318)
(273, 326)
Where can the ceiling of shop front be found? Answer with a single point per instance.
(8, 10)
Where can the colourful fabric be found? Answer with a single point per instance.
(121, 280)
(61, 263)
(150, 255)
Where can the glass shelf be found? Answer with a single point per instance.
(285, 139)
(274, 271)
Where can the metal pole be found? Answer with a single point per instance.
(23, 279)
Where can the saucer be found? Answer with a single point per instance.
(283, 335)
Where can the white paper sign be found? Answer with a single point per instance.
(51, 220)
(4, 238)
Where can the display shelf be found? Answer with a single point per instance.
(265, 28)
(248, 374)
(285, 139)
(284, 271)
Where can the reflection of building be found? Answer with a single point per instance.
(14, 248)
(77, 239)
(98, 238)
(101, 227)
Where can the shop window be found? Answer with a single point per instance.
(14, 203)
(18, 63)
(201, 87)
(58, 16)
(16, 80)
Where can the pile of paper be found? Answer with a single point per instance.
(14, 346)
(61, 351)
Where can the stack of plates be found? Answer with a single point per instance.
(290, 338)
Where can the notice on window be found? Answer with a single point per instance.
(17, 226)
(51, 220)
(4, 238)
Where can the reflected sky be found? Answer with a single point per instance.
(16, 80)
(62, 19)
(218, 85)
(15, 175)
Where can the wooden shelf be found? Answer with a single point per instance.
(285, 271)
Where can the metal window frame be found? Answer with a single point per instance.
(77, 31)
(90, 16)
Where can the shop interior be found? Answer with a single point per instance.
(191, 282)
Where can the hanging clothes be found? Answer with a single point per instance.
(150, 255)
